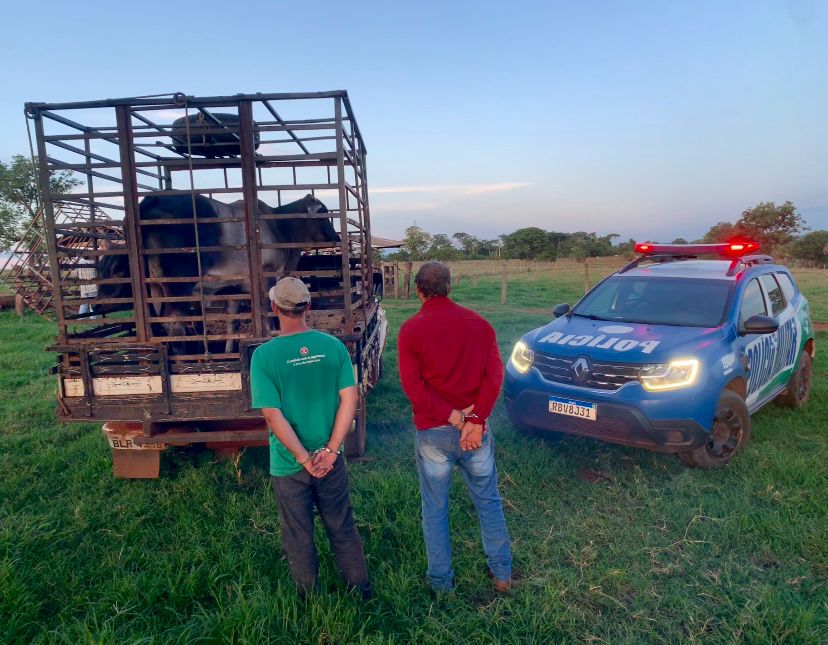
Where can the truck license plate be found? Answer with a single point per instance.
(572, 408)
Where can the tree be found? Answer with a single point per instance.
(441, 248)
(19, 196)
(528, 244)
(469, 243)
(771, 225)
(679, 240)
(627, 249)
(415, 243)
(721, 232)
(489, 247)
(582, 245)
(812, 247)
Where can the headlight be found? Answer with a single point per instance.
(669, 376)
(522, 357)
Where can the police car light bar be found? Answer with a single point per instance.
(731, 249)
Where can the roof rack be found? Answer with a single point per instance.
(747, 261)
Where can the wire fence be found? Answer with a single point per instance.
(399, 277)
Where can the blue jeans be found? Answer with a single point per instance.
(438, 451)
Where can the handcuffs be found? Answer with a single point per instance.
(313, 454)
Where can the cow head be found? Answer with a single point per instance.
(314, 229)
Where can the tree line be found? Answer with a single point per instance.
(531, 243)
(780, 230)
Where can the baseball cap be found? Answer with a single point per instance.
(289, 294)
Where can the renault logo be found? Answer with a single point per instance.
(580, 369)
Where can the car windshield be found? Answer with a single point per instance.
(657, 301)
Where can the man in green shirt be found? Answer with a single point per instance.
(303, 381)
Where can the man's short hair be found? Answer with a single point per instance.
(433, 279)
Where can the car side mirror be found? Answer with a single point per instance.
(759, 325)
(561, 310)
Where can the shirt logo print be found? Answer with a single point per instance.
(303, 351)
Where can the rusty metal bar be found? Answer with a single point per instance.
(145, 132)
(177, 100)
(251, 207)
(88, 132)
(49, 221)
(343, 212)
(209, 436)
(105, 161)
(132, 230)
(281, 122)
(352, 118)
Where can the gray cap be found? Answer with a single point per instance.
(290, 294)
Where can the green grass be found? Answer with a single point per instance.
(652, 552)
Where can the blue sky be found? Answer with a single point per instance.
(647, 119)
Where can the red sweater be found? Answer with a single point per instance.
(448, 359)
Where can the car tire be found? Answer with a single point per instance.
(799, 387)
(730, 432)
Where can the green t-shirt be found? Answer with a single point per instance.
(301, 375)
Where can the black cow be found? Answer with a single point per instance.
(228, 262)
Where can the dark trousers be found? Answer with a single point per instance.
(296, 496)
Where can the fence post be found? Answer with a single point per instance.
(397, 280)
(503, 282)
(586, 277)
(474, 280)
(407, 280)
(19, 305)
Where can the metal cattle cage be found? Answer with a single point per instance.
(163, 357)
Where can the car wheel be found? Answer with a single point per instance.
(799, 387)
(730, 431)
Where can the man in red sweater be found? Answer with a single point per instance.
(451, 371)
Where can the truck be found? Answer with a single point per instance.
(187, 210)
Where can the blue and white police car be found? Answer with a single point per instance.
(672, 353)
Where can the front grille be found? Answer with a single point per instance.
(602, 376)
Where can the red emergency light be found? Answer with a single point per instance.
(734, 248)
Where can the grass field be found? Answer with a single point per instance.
(616, 545)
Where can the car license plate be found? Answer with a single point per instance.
(572, 408)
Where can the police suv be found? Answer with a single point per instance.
(671, 353)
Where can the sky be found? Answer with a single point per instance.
(650, 120)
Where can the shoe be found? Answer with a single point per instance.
(365, 590)
(502, 586)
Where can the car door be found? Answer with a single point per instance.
(787, 338)
(754, 349)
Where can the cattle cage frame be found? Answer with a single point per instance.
(117, 361)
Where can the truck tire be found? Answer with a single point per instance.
(799, 387)
(730, 432)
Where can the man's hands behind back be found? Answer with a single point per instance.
(324, 461)
(471, 436)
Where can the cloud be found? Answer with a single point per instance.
(172, 115)
(408, 208)
(455, 189)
